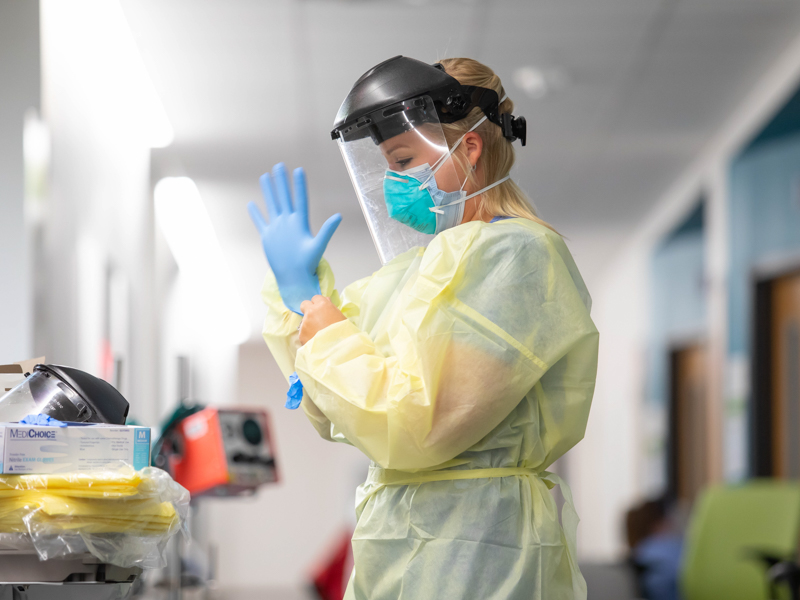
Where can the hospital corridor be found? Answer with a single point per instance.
(399, 300)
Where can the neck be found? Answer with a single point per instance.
(471, 212)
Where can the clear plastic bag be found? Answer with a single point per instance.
(122, 517)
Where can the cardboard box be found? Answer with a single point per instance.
(77, 447)
(14, 374)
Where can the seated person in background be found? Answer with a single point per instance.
(655, 549)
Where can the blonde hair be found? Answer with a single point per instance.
(497, 157)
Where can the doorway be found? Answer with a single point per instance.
(688, 435)
(775, 446)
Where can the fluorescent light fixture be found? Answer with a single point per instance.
(89, 46)
(185, 223)
(36, 152)
(35, 141)
(183, 219)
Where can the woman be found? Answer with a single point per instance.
(462, 369)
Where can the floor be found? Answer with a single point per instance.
(608, 581)
(604, 582)
(234, 594)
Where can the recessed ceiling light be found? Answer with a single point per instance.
(538, 82)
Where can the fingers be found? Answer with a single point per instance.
(301, 195)
(281, 183)
(269, 195)
(256, 217)
(326, 233)
(315, 302)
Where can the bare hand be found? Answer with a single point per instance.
(318, 313)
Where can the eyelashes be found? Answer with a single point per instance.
(403, 162)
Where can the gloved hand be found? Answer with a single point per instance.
(292, 252)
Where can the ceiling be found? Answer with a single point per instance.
(247, 83)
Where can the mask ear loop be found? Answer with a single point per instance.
(438, 209)
(438, 164)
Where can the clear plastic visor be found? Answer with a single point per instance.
(398, 141)
(46, 395)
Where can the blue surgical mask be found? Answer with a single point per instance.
(413, 198)
(411, 195)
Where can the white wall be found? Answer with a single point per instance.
(19, 91)
(603, 467)
(97, 221)
(274, 539)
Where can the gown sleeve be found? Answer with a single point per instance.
(490, 311)
(280, 332)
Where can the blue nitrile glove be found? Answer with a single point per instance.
(295, 394)
(42, 420)
(292, 252)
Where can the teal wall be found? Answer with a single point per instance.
(764, 213)
(677, 312)
(678, 307)
(764, 223)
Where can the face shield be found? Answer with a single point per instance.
(389, 129)
(64, 394)
(400, 167)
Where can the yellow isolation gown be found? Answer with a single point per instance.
(462, 371)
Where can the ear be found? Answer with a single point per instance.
(473, 145)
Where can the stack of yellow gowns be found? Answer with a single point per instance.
(129, 502)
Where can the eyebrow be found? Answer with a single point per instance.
(391, 149)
